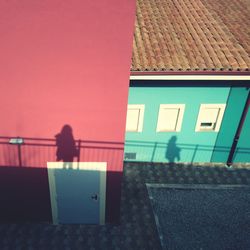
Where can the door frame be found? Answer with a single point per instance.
(94, 166)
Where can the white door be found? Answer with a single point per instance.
(77, 192)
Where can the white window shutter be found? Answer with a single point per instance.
(135, 114)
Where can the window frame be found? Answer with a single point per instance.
(179, 121)
(141, 107)
(216, 128)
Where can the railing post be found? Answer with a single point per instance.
(153, 153)
(19, 155)
(79, 150)
(195, 151)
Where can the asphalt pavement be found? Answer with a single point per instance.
(137, 228)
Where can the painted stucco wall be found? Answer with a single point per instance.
(150, 145)
(235, 105)
(66, 62)
(242, 153)
(58, 63)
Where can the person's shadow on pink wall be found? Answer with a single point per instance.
(66, 148)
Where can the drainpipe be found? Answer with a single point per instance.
(238, 132)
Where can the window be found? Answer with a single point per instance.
(210, 117)
(135, 114)
(170, 117)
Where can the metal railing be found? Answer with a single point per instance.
(157, 151)
(35, 152)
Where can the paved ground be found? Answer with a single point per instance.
(137, 229)
(202, 216)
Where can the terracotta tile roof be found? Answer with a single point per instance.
(187, 35)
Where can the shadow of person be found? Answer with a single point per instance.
(66, 149)
(172, 152)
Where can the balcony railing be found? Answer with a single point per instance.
(36, 152)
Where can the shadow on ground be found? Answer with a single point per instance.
(137, 229)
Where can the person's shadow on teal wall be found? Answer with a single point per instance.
(172, 151)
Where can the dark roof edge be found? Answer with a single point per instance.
(206, 72)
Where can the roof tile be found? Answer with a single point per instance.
(185, 35)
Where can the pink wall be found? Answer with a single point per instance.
(66, 62)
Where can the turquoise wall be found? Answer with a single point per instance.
(235, 105)
(150, 145)
(242, 153)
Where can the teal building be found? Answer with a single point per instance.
(179, 121)
(189, 84)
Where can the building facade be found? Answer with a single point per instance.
(179, 121)
(55, 70)
(189, 82)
